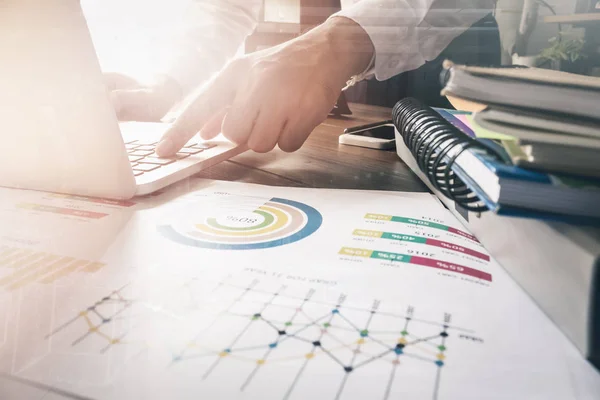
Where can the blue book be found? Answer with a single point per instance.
(511, 190)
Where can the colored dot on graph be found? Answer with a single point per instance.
(396, 362)
(316, 343)
(348, 369)
(441, 348)
(360, 341)
(444, 334)
(404, 333)
(441, 356)
(335, 311)
(399, 346)
(364, 333)
(439, 363)
(309, 356)
(326, 324)
(115, 341)
(83, 313)
(273, 345)
(223, 354)
(176, 358)
(93, 329)
(398, 350)
(106, 321)
(402, 341)
(260, 362)
(281, 333)
(255, 317)
(288, 324)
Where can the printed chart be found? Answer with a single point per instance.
(235, 225)
(67, 207)
(422, 223)
(396, 241)
(20, 267)
(259, 329)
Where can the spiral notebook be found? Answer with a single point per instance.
(557, 263)
(476, 171)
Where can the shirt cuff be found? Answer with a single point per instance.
(366, 74)
(391, 25)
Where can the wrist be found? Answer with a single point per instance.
(350, 46)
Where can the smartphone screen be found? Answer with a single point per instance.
(385, 132)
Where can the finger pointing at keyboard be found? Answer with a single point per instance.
(275, 96)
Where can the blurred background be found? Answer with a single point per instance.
(136, 36)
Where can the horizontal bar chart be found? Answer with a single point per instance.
(422, 261)
(21, 267)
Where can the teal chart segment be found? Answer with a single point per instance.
(275, 223)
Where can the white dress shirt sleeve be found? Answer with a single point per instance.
(211, 33)
(407, 33)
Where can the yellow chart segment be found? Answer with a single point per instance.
(277, 222)
(21, 267)
(281, 220)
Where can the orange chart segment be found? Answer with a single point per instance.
(20, 267)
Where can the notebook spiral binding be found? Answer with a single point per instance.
(436, 144)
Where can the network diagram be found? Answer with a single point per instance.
(255, 322)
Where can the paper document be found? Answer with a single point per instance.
(218, 290)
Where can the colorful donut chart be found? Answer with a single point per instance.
(276, 223)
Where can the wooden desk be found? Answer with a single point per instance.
(323, 163)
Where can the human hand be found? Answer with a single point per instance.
(275, 96)
(136, 102)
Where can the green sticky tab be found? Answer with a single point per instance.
(484, 133)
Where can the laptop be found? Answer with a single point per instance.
(59, 130)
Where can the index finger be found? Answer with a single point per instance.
(208, 99)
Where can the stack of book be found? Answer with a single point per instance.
(528, 148)
(536, 135)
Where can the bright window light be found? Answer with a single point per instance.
(134, 37)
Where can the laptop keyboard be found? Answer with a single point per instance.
(143, 159)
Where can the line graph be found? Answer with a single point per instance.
(262, 326)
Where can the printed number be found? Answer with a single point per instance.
(419, 253)
(243, 220)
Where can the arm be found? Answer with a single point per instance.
(407, 33)
(276, 97)
(212, 32)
